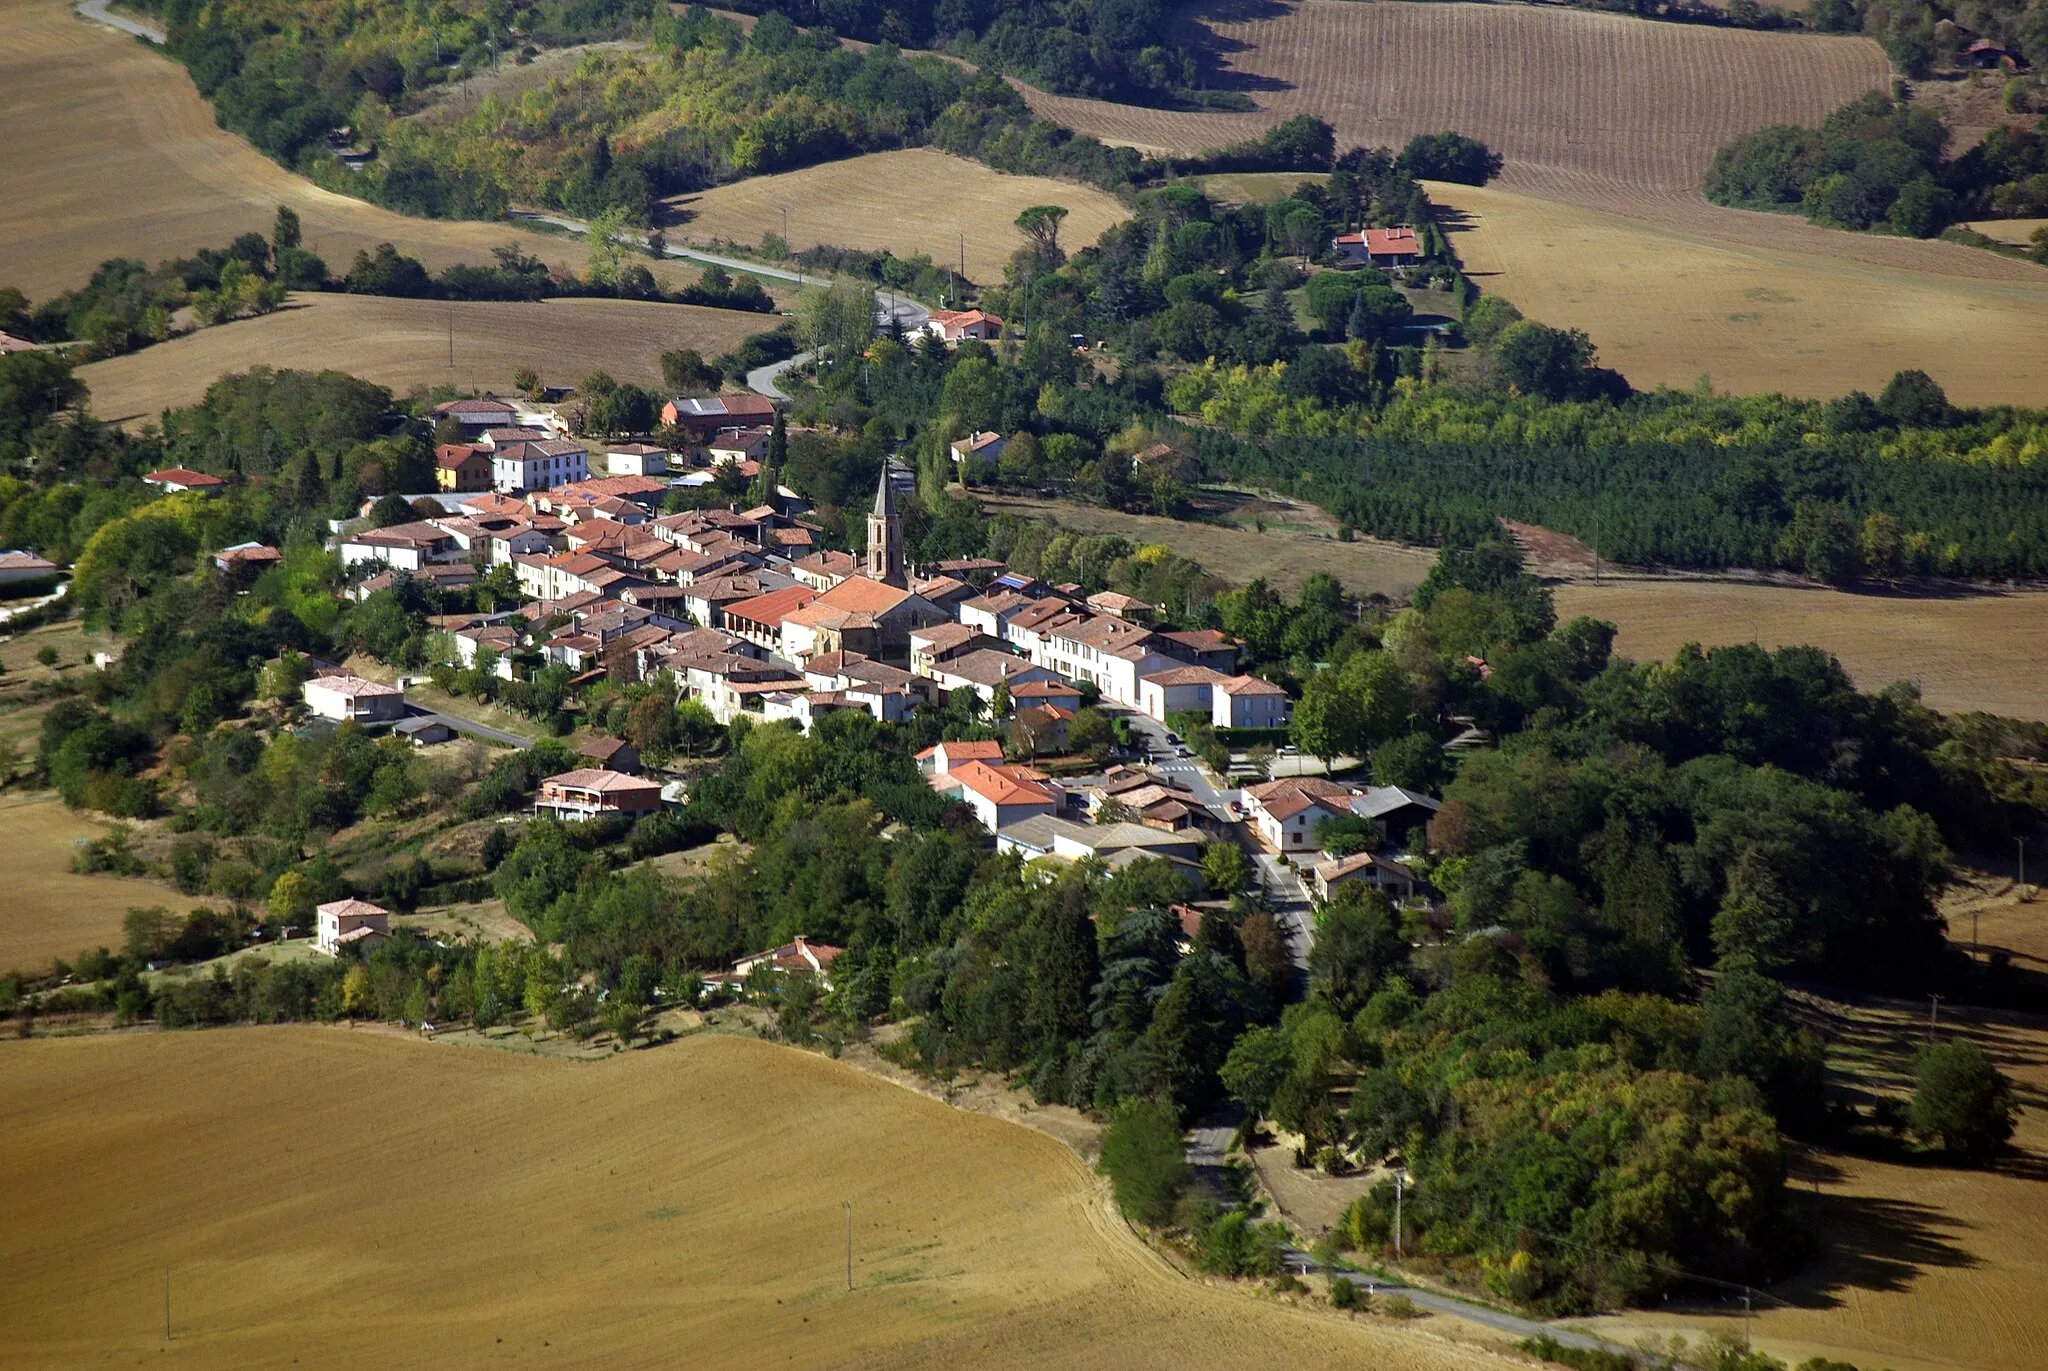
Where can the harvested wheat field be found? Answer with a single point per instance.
(674, 1206)
(1666, 305)
(49, 912)
(2017, 232)
(404, 343)
(1966, 651)
(164, 178)
(912, 201)
(1923, 1267)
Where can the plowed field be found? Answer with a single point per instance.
(404, 344)
(911, 201)
(329, 1198)
(1582, 99)
(1598, 111)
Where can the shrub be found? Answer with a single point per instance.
(1144, 1159)
(1961, 1103)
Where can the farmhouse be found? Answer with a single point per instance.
(246, 557)
(1001, 795)
(176, 479)
(1247, 702)
(700, 417)
(1115, 845)
(404, 547)
(957, 325)
(345, 697)
(986, 446)
(464, 468)
(1392, 247)
(1381, 873)
(591, 793)
(1286, 812)
(612, 754)
(538, 464)
(940, 758)
(24, 566)
(348, 923)
(801, 957)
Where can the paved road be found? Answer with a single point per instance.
(51, 598)
(472, 727)
(906, 311)
(1291, 906)
(763, 380)
(96, 10)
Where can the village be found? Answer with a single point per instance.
(745, 613)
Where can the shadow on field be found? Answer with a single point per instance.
(1211, 48)
(1873, 1244)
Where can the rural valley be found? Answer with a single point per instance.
(1307, 683)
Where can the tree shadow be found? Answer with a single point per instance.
(1871, 1244)
(1211, 49)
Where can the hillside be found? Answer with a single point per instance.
(313, 1208)
(404, 344)
(164, 177)
(912, 201)
(1667, 305)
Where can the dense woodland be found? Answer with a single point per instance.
(1882, 163)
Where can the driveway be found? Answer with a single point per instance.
(763, 380)
(96, 10)
(1291, 906)
(472, 728)
(51, 598)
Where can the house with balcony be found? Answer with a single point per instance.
(594, 793)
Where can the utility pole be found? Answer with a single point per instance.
(2023, 871)
(1399, 1177)
(963, 254)
(451, 337)
(1745, 1316)
(167, 1301)
(1933, 1008)
(849, 1244)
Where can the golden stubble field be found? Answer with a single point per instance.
(403, 344)
(1668, 304)
(910, 201)
(1985, 651)
(328, 1198)
(110, 152)
(49, 912)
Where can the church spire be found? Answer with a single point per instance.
(885, 535)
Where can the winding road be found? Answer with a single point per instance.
(97, 11)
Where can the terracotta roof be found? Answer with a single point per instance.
(773, 607)
(1041, 690)
(861, 595)
(354, 687)
(1000, 785)
(450, 456)
(184, 476)
(600, 780)
(1248, 685)
(1185, 676)
(985, 749)
(1286, 798)
(473, 407)
(353, 909)
(985, 666)
(24, 561)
